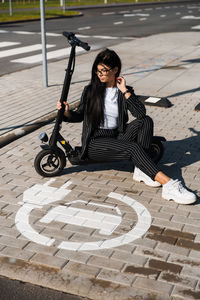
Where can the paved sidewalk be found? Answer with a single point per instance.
(144, 247)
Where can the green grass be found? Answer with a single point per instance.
(31, 15)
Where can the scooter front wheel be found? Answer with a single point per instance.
(49, 163)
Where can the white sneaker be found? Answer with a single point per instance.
(141, 176)
(173, 190)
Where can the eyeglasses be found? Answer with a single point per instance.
(103, 71)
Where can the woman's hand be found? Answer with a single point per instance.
(59, 106)
(121, 85)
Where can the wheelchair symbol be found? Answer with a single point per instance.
(38, 196)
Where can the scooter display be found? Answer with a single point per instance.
(51, 160)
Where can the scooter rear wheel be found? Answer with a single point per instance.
(157, 150)
(49, 163)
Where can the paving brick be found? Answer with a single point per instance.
(129, 258)
(17, 253)
(154, 286)
(164, 266)
(82, 269)
(116, 277)
(12, 242)
(141, 271)
(186, 293)
(49, 260)
(179, 234)
(188, 244)
(161, 238)
(75, 256)
(102, 262)
(172, 249)
(190, 271)
(175, 279)
(189, 260)
(142, 250)
(37, 248)
(168, 224)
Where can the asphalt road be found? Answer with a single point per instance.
(18, 290)
(20, 43)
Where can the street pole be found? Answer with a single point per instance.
(43, 37)
(10, 7)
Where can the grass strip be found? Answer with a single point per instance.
(31, 15)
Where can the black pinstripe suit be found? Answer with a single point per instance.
(129, 141)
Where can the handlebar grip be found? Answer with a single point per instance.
(71, 37)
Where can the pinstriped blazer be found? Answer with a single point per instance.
(132, 104)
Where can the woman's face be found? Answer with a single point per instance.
(106, 74)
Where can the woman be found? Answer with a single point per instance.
(106, 135)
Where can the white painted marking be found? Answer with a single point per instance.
(178, 13)
(190, 17)
(4, 31)
(84, 28)
(8, 44)
(105, 222)
(38, 196)
(105, 37)
(50, 55)
(143, 15)
(196, 27)
(142, 19)
(152, 99)
(23, 32)
(108, 13)
(118, 23)
(162, 16)
(129, 15)
(52, 34)
(83, 36)
(22, 50)
(124, 11)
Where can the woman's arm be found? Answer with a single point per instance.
(134, 105)
(74, 116)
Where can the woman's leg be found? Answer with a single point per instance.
(139, 131)
(111, 149)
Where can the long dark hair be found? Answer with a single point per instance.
(96, 92)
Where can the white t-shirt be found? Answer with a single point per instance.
(110, 109)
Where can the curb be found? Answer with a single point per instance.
(80, 14)
(28, 128)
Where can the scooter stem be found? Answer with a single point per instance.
(64, 95)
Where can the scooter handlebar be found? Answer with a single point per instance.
(71, 37)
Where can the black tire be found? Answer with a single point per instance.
(49, 163)
(157, 151)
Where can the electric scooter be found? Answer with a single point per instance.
(51, 160)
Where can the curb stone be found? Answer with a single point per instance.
(28, 128)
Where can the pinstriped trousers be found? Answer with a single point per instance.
(132, 145)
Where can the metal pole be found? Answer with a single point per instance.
(43, 37)
(10, 7)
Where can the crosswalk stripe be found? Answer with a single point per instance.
(7, 44)
(50, 55)
(21, 50)
(196, 27)
(24, 32)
